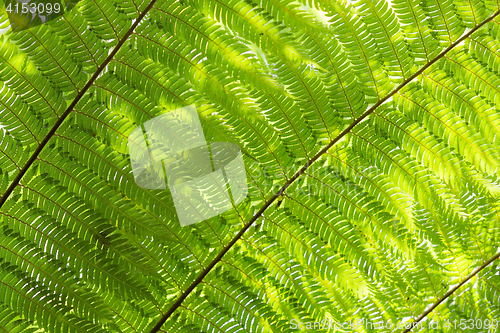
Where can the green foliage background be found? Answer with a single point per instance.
(391, 214)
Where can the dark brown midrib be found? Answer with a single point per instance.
(70, 108)
(449, 293)
(221, 254)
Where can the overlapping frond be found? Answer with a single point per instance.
(389, 109)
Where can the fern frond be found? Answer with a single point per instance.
(369, 132)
